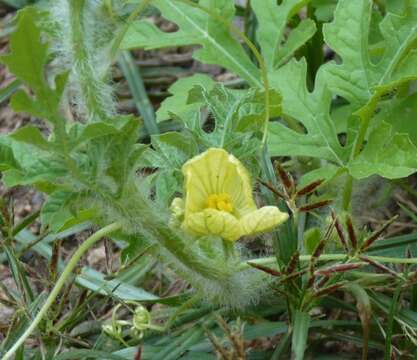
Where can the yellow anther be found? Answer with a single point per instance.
(220, 202)
(221, 205)
(224, 197)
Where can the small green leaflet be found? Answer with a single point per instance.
(56, 210)
(31, 135)
(324, 9)
(121, 151)
(196, 28)
(272, 23)
(61, 211)
(177, 103)
(31, 165)
(245, 108)
(80, 133)
(173, 149)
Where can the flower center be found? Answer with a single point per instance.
(221, 202)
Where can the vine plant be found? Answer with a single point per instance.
(341, 116)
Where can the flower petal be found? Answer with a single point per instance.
(262, 220)
(197, 183)
(214, 172)
(211, 221)
(239, 186)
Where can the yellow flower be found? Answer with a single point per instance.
(219, 199)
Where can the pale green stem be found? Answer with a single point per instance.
(330, 257)
(119, 37)
(347, 192)
(357, 147)
(60, 283)
(363, 129)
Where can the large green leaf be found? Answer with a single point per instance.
(27, 60)
(309, 108)
(28, 54)
(362, 83)
(362, 78)
(389, 154)
(272, 24)
(196, 28)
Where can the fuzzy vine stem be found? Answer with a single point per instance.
(60, 283)
(88, 83)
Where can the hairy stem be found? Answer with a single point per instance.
(142, 218)
(60, 283)
(179, 247)
(88, 82)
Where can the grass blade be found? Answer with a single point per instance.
(9, 90)
(90, 354)
(394, 246)
(19, 274)
(390, 326)
(281, 347)
(363, 304)
(300, 334)
(134, 79)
